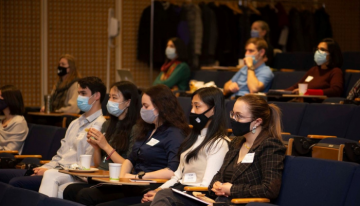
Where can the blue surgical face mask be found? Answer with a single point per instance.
(113, 108)
(170, 53)
(253, 57)
(254, 34)
(148, 115)
(320, 57)
(82, 103)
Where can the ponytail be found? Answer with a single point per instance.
(275, 122)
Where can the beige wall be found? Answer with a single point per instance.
(79, 27)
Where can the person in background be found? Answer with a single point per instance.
(112, 144)
(13, 128)
(64, 93)
(175, 72)
(91, 93)
(160, 131)
(255, 76)
(260, 29)
(326, 78)
(354, 92)
(254, 164)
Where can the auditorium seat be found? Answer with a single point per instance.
(353, 126)
(283, 80)
(185, 103)
(292, 115)
(326, 119)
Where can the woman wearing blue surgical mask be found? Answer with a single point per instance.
(175, 72)
(260, 29)
(64, 94)
(159, 133)
(115, 140)
(326, 78)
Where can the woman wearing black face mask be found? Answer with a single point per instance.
(13, 128)
(64, 94)
(253, 166)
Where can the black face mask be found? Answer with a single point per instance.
(198, 121)
(3, 104)
(240, 128)
(62, 71)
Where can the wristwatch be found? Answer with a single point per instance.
(141, 174)
(252, 68)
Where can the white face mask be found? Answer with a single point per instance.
(170, 53)
(113, 108)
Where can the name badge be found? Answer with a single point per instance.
(249, 158)
(190, 177)
(309, 78)
(153, 142)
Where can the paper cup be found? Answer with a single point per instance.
(114, 171)
(85, 161)
(302, 88)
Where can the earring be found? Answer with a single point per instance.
(253, 130)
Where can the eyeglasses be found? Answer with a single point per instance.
(236, 116)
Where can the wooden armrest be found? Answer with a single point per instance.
(44, 161)
(247, 200)
(190, 126)
(287, 70)
(27, 156)
(357, 99)
(287, 133)
(15, 152)
(352, 71)
(229, 130)
(313, 136)
(201, 189)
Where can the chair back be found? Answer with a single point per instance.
(353, 128)
(292, 115)
(283, 80)
(353, 197)
(313, 182)
(56, 143)
(185, 103)
(326, 119)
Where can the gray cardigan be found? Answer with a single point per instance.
(12, 137)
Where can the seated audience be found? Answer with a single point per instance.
(64, 94)
(354, 92)
(326, 78)
(254, 164)
(175, 72)
(91, 92)
(13, 128)
(112, 144)
(161, 130)
(262, 30)
(255, 76)
(202, 152)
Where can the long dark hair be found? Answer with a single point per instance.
(170, 112)
(336, 58)
(129, 91)
(213, 98)
(13, 98)
(181, 49)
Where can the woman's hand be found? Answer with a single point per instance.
(295, 91)
(149, 196)
(99, 140)
(221, 189)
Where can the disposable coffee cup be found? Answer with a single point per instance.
(114, 171)
(302, 88)
(85, 161)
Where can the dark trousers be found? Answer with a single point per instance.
(82, 193)
(16, 178)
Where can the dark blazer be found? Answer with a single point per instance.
(262, 178)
